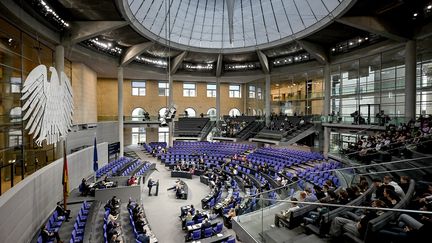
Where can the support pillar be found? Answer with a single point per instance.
(267, 100)
(218, 113)
(326, 144)
(59, 66)
(120, 108)
(410, 80)
(171, 104)
(327, 90)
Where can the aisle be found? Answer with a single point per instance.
(162, 211)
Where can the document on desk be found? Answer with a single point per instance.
(219, 235)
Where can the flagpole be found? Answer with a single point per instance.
(65, 193)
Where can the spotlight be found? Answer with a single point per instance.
(415, 14)
(429, 7)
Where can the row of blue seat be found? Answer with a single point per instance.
(80, 222)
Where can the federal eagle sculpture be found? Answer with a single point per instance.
(48, 105)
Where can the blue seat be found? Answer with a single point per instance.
(218, 228)
(208, 232)
(196, 235)
(189, 223)
(231, 240)
(78, 230)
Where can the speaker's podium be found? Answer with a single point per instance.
(157, 188)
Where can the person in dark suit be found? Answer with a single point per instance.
(143, 238)
(206, 224)
(150, 185)
(49, 235)
(63, 212)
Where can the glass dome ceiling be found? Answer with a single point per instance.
(230, 24)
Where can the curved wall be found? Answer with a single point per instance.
(26, 206)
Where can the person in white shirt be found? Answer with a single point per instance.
(285, 215)
(389, 181)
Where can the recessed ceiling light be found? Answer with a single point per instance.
(429, 7)
(415, 14)
(333, 49)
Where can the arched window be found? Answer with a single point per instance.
(211, 112)
(15, 114)
(138, 114)
(234, 112)
(259, 112)
(190, 112)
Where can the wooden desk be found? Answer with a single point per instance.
(181, 174)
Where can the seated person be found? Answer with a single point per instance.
(84, 189)
(132, 181)
(407, 229)
(356, 226)
(113, 216)
(62, 212)
(285, 215)
(206, 224)
(197, 216)
(113, 204)
(180, 191)
(188, 218)
(49, 235)
(131, 204)
(143, 237)
(113, 228)
(115, 238)
(176, 186)
(231, 214)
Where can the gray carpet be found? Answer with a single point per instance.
(162, 211)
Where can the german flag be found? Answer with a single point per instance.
(65, 178)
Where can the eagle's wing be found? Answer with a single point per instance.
(67, 103)
(34, 92)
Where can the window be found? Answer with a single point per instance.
(190, 112)
(138, 114)
(211, 90)
(15, 114)
(252, 92)
(15, 137)
(138, 88)
(234, 112)
(259, 93)
(211, 112)
(163, 88)
(15, 85)
(189, 90)
(163, 134)
(138, 135)
(234, 91)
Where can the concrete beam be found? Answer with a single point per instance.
(133, 52)
(264, 62)
(376, 26)
(315, 50)
(219, 65)
(423, 32)
(230, 7)
(177, 62)
(84, 30)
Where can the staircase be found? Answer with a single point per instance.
(299, 135)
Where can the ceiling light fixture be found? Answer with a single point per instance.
(49, 11)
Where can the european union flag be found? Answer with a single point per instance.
(95, 157)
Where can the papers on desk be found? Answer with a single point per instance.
(91, 185)
(219, 235)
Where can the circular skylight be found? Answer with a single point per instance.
(230, 24)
